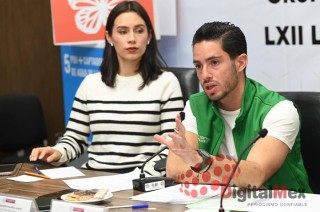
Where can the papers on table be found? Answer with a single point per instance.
(174, 195)
(25, 178)
(55, 173)
(62, 172)
(114, 183)
(228, 203)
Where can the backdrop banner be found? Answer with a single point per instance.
(283, 38)
(79, 28)
(76, 63)
(84, 21)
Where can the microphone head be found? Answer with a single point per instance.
(182, 115)
(263, 133)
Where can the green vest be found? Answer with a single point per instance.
(256, 103)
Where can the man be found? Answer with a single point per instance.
(225, 118)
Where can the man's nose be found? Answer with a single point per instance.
(206, 73)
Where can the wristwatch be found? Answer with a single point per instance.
(206, 162)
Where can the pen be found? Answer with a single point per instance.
(37, 175)
(135, 206)
(36, 168)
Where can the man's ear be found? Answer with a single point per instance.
(242, 62)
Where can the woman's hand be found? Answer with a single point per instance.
(47, 154)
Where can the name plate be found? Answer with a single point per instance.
(59, 205)
(14, 203)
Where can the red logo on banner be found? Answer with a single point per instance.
(83, 21)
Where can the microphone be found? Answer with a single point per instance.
(144, 183)
(262, 134)
(151, 183)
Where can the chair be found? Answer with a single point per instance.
(188, 80)
(309, 106)
(22, 127)
(78, 162)
(189, 84)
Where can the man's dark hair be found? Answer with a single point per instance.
(151, 62)
(231, 37)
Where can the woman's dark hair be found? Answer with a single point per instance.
(151, 62)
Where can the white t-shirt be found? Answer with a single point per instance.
(282, 122)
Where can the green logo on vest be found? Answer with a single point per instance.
(203, 139)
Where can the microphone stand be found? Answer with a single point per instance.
(144, 183)
(142, 175)
(262, 134)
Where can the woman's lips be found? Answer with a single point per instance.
(132, 50)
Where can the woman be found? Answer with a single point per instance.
(124, 105)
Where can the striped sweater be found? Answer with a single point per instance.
(122, 121)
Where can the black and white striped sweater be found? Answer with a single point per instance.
(122, 121)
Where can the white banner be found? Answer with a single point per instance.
(283, 38)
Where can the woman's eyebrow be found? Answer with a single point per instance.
(126, 27)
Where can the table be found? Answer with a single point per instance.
(46, 186)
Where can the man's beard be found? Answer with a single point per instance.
(229, 86)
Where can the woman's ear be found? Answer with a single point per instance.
(149, 37)
(108, 38)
